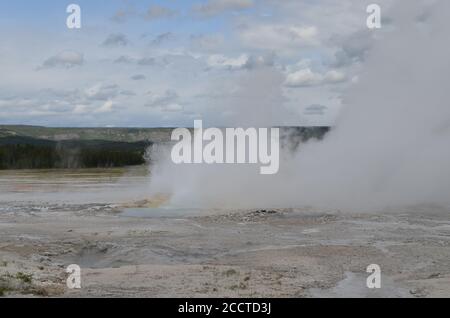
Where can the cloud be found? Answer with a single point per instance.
(172, 108)
(207, 42)
(143, 61)
(138, 77)
(102, 92)
(191, 56)
(166, 101)
(45, 101)
(278, 37)
(146, 61)
(122, 15)
(161, 38)
(315, 109)
(64, 103)
(127, 92)
(215, 7)
(80, 109)
(306, 77)
(221, 61)
(124, 59)
(243, 61)
(162, 99)
(66, 59)
(107, 107)
(156, 12)
(257, 61)
(352, 48)
(116, 39)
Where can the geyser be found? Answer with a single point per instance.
(227, 146)
(390, 146)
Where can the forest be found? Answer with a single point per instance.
(29, 153)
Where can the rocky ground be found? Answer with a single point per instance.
(248, 253)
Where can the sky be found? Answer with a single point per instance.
(167, 63)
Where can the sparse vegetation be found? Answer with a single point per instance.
(4, 290)
(22, 283)
(230, 272)
(25, 278)
(4, 284)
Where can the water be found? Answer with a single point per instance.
(354, 286)
(75, 186)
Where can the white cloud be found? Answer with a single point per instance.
(278, 37)
(107, 107)
(65, 59)
(80, 109)
(192, 56)
(306, 77)
(315, 109)
(102, 92)
(244, 61)
(166, 101)
(172, 108)
(117, 39)
(222, 61)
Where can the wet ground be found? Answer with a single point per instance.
(130, 245)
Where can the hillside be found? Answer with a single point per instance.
(109, 134)
(126, 134)
(34, 147)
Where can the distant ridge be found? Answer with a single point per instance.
(36, 147)
(155, 135)
(108, 134)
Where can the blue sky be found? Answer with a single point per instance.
(166, 63)
(46, 14)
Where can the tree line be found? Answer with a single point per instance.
(71, 155)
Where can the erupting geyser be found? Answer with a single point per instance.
(390, 146)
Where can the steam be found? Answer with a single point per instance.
(390, 146)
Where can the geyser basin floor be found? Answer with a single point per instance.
(162, 212)
(238, 253)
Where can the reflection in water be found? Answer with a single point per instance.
(75, 186)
